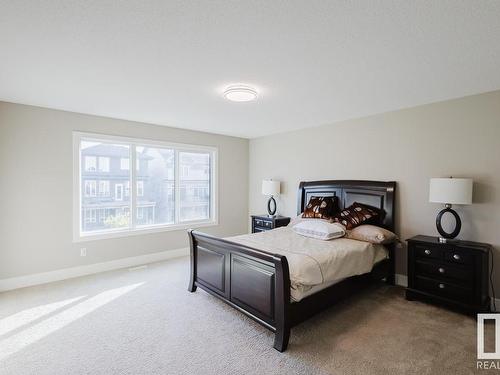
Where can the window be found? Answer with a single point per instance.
(90, 216)
(141, 186)
(158, 179)
(90, 163)
(90, 188)
(119, 192)
(98, 210)
(104, 188)
(125, 163)
(103, 164)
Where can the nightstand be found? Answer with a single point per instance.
(453, 274)
(262, 223)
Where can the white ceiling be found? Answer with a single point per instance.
(313, 62)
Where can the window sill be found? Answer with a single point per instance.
(142, 231)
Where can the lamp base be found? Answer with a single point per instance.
(271, 211)
(445, 236)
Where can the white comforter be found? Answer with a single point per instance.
(313, 262)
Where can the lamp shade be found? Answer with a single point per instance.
(270, 187)
(451, 190)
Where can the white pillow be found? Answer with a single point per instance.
(319, 229)
(299, 219)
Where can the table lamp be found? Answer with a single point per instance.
(450, 191)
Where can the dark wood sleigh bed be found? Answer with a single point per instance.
(257, 283)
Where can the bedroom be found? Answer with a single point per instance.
(93, 96)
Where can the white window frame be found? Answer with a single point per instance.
(213, 220)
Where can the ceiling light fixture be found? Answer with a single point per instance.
(240, 93)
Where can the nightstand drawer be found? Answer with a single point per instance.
(259, 229)
(459, 256)
(263, 223)
(444, 270)
(424, 251)
(268, 224)
(259, 222)
(444, 289)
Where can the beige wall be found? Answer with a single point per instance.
(37, 184)
(458, 138)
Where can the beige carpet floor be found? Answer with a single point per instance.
(144, 321)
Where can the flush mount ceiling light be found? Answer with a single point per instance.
(240, 93)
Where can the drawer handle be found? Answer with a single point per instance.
(456, 256)
(441, 286)
(441, 270)
(427, 252)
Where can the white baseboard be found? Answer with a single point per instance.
(401, 280)
(68, 273)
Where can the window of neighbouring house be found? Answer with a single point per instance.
(140, 188)
(104, 188)
(90, 189)
(119, 192)
(90, 163)
(164, 185)
(103, 164)
(124, 163)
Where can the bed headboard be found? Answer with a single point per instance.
(378, 194)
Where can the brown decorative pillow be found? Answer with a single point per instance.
(321, 208)
(356, 214)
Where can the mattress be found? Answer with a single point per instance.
(298, 293)
(315, 264)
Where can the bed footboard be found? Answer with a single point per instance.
(253, 281)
